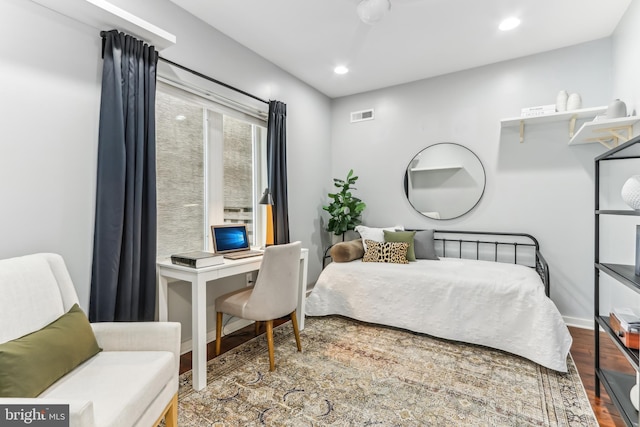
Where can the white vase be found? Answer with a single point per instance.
(616, 109)
(561, 101)
(574, 102)
(631, 192)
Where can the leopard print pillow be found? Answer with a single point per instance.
(392, 252)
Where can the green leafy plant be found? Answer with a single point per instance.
(345, 209)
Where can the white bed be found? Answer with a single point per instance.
(493, 304)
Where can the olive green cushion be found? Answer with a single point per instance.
(402, 236)
(30, 364)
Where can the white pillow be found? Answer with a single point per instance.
(375, 234)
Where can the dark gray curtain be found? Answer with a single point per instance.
(277, 169)
(123, 282)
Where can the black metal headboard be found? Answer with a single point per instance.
(515, 248)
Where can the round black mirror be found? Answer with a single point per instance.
(444, 181)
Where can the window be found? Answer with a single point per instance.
(211, 168)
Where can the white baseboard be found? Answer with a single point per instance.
(230, 327)
(578, 322)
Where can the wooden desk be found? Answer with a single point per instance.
(198, 277)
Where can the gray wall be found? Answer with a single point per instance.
(617, 237)
(542, 186)
(50, 90)
(626, 61)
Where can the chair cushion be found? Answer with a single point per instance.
(235, 302)
(30, 364)
(30, 296)
(121, 384)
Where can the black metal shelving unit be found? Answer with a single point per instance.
(617, 384)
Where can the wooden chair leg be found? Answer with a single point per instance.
(171, 418)
(272, 363)
(218, 331)
(257, 325)
(296, 331)
(170, 413)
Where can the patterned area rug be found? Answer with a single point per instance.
(355, 374)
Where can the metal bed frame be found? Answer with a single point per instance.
(488, 246)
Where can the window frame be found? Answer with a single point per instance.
(213, 149)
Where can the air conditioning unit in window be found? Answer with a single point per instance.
(360, 116)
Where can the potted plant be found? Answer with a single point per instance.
(345, 209)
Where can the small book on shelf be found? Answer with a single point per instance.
(627, 335)
(197, 259)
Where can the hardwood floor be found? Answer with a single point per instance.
(228, 342)
(582, 351)
(583, 354)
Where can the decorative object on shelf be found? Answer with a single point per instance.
(540, 110)
(561, 101)
(372, 11)
(345, 209)
(574, 102)
(616, 109)
(631, 192)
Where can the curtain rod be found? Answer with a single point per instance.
(211, 79)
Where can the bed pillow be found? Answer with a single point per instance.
(375, 234)
(390, 252)
(402, 236)
(347, 251)
(424, 245)
(30, 364)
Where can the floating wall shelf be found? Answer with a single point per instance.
(607, 132)
(436, 168)
(103, 15)
(568, 116)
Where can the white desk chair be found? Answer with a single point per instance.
(274, 295)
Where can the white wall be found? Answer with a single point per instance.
(49, 106)
(542, 186)
(50, 96)
(618, 234)
(626, 61)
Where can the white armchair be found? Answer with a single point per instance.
(133, 381)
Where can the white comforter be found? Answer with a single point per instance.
(497, 305)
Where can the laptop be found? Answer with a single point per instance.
(232, 242)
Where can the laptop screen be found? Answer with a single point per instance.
(229, 238)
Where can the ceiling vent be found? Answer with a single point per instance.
(360, 116)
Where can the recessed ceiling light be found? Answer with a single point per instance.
(341, 69)
(181, 117)
(509, 24)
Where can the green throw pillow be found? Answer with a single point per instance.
(402, 236)
(30, 364)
